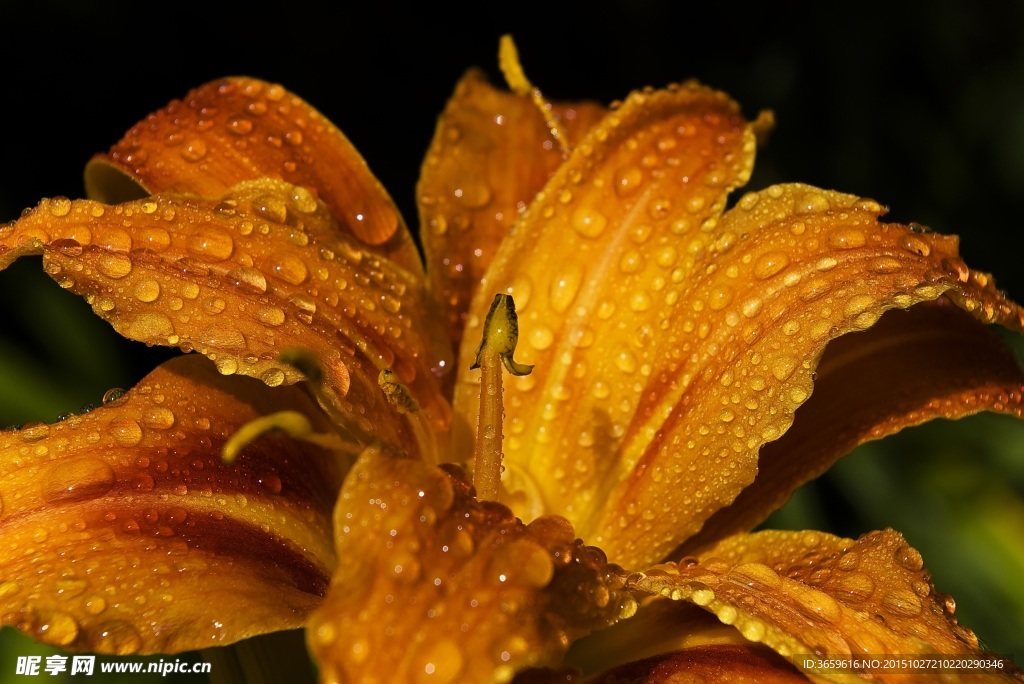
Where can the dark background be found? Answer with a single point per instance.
(918, 104)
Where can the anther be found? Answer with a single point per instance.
(501, 333)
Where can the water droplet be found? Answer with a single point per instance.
(909, 557)
(541, 337)
(56, 628)
(270, 315)
(152, 327)
(848, 238)
(702, 597)
(211, 245)
(158, 418)
(812, 202)
(77, 480)
(625, 361)
(720, 298)
(902, 603)
(125, 432)
(33, 432)
(916, 245)
(193, 150)
(94, 605)
(273, 377)
(155, 239)
(147, 290)
(564, 287)
(783, 366)
(247, 279)
(60, 206)
(117, 636)
(290, 269)
(856, 586)
(214, 305)
(303, 201)
(304, 305)
(226, 366)
(114, 266)
(222, 337)
(439, 662)
(239, 125)
(858, 304)
(588, 221)
(770, 263)
(629, 180)
(818, 604)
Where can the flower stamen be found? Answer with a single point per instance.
(512, 69)
(501, 333)
(291, 423)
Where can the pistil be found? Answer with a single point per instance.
(501, 333)
(518, 83)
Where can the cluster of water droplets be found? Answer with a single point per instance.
(126, 492)
(814, 593)
(477, 592)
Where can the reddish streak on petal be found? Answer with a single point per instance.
(125, 532)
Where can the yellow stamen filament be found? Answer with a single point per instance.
(290, 423)
(501, 333)
(512, 69)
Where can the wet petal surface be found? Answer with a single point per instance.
(433, 586)
(123, 532)
(491, 153)
(240, 129)
(242, 278)
(673, 343)
(813, 593)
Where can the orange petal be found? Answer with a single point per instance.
(672, 365)
(595, 267)
(434, 586)
(124, 532)
(707, 665)
(808, 593)
(490, 155)
(243, 277)
(240, 129)
(943, 364)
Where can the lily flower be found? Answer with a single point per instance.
(692, 365)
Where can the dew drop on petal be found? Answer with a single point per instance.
(247, 279)
(117, 636)
(588, 221)
(211, 245)
(769, 264)
(114, 266)
(125, 432)
(77, 480)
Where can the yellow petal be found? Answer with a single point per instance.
(434, 586)
(240, 129)
(122, 531)
(931, 361)
(672, 343)
(597, 266)
(241, 278)
(490, 155)
(809, 593)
